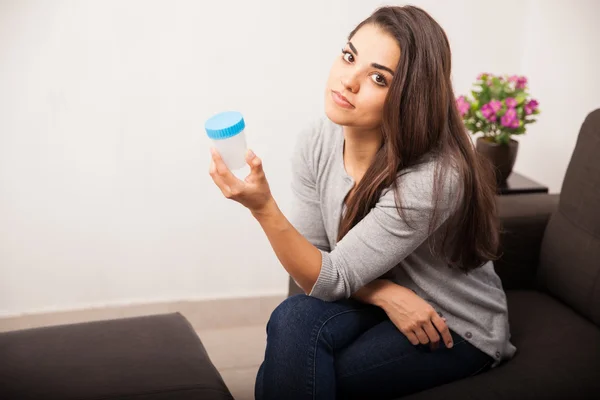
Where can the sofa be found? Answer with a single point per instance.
(550, 269)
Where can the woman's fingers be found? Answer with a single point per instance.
(255, 163)
(442, 328)
(224, 173)
(421, 335)
(411, 337)
(434, 338)
(226, 190)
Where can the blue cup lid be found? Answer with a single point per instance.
(224, 125)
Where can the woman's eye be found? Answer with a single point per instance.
(379, 79)
(348, 56)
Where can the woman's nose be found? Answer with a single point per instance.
(350, 83)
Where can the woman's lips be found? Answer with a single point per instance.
(341, 100)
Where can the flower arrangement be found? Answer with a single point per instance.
(500, 107)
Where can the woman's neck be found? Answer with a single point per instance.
(360, 147)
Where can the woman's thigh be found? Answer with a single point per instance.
(303, 318)
(303, 334)
(382, 364)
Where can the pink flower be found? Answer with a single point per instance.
(511, 113)
(510, 119)
(490, 109)
(519, 81)
(495, 105)
(531, 106)
(510, 102)
(463, 105)
(487, 111)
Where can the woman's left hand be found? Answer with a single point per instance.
(253, 192)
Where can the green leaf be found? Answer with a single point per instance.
(520, 97)
(500, 138)
(520, 111)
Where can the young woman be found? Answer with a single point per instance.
(394, 230)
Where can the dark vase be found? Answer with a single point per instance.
(502, 156)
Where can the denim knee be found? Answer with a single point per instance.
(294, 313)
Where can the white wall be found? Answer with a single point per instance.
(561, 55)
(104, 191)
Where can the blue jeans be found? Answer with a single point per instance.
(350, 350)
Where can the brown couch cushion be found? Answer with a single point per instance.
(153, 357)
(558, 357)
(524, 220)
(570, 256)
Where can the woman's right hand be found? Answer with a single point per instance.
(412, 315)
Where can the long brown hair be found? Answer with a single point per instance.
(420, 117)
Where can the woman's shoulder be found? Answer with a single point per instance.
(433, 172)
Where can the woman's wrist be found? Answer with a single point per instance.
(269, 209)
(381, 292)
(385, 293)
(374, 293)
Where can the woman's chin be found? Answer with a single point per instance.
(337, 115)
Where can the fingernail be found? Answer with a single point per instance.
(251, 153)
(449, 345)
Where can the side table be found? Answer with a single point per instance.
(519, 184)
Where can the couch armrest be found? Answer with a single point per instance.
(524, 219)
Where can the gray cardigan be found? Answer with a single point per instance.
(382, 245)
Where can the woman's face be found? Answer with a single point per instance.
(361, 74)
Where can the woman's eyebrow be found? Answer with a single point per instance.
(374, 65)
(379, 66)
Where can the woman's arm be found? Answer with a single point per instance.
(370, 249)
(372, 293)
(299, 257)
(302, 260)
(414, 317)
